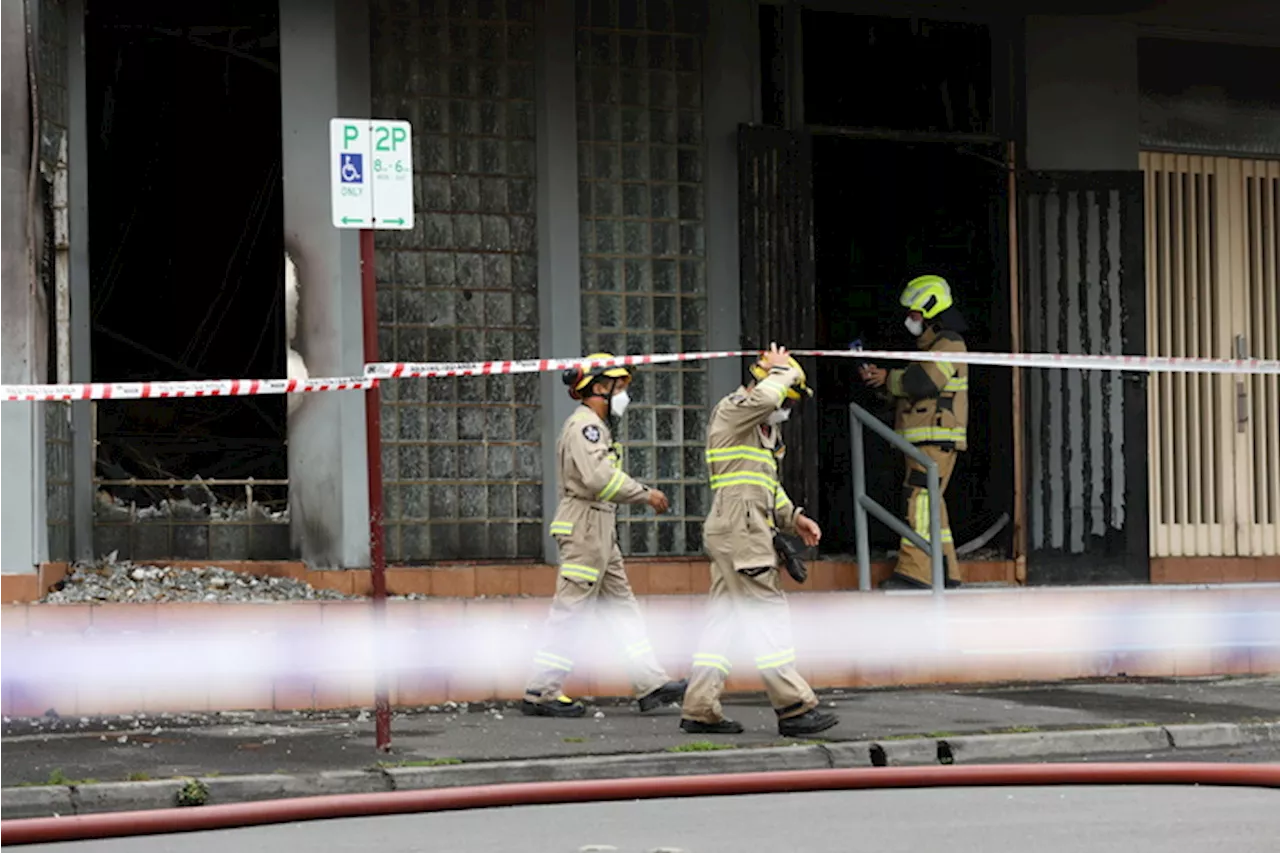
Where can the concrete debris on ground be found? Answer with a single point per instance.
(109, 580)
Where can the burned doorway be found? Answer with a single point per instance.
(885, 212)
(186, 257)
(908, 175)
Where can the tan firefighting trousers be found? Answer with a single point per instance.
(913, 562)
(584, 587)
(754, 609)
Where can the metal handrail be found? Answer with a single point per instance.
(863, 503)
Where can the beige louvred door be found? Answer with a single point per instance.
(1213, 290)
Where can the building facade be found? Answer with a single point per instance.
(643, 176)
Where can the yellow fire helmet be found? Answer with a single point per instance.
(761, 369)
(579, 378)
(928, 294)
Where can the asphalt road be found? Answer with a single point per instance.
(1124, 819)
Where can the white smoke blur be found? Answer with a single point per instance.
(1019, 636)
(296, 367)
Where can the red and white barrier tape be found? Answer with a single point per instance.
(405, 370)
(1136, 363)
(191, 388)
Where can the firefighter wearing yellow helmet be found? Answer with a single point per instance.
(932, 412)
(744, 447)
(592, 484)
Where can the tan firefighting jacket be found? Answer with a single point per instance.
(932, 397)
(742, 458)
(592, 484)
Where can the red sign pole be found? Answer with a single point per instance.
(373, 438)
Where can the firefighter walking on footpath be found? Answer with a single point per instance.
(746, 604)
(931, 401)
(592, 484)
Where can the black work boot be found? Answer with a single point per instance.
(562, 707)
(809, 723)
(672, 691)
(719, 727)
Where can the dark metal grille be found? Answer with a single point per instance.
(1085, 293)
(779, 296)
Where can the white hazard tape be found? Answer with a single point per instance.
(405, 370)
(189, 388)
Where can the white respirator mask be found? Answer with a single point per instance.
(779, 417)
(618, 403)
(914, 326)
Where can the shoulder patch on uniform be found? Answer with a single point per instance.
(736, 398)
(591, 433)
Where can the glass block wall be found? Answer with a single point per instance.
(461, 457)
(640, 162)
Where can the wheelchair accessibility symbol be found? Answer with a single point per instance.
(351, 168)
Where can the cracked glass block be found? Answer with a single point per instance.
(442, 425)
(634, 125)
(411, 306)
(666, 420)
(689, 165)
(492, 195)
(499, 344)
(472, 502)
(529, 462)
(693, 277)
(386, 307)
(413, 462)
(664, 276)
(635, 238)
(636, 275)
(695, 387)
(641, 537)
(443, 461)
(495, 233)
(662, 237)
(527, 389)
(670, 537)
(608, 236)
(493, 82)
(470, 272)
(662, 127)
(502, 499)
(635, 162)
(388, 423)
(525, 311)
(695, 463)
(463, 116)
(502, 462)
(524, 234)
(604, 275)
(414, 502)
(521, 196)
(664, 312)
(437, 154)
(693, 313)
(436, 192)
(411, 343)
(528, 501)
(639, 462)
(500, 424)
(471, 390)
(638, 312)
(390, 462)
(444, 500)
(691, 239)
(662, 164)
(604, 199)
(528, 425)
(493, 157)
(524, 273)
(470, 424)
(438, 230)
(635, 200)
(471, 462)
(412, 423)
(497, 271)
(522, 120)
(665, 387)
(639, 424)
(442, 345)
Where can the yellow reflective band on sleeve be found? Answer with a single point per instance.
(711, 661)
(894, 383)
(743, 478)
(562, 528)
(776, 387)
(781, 499)
(956, 383)
(947, 368)
(614, 485)
(776, 660)
(639, 649)
(742, 452)
(921, 435)
(580, 572)
(551, 661)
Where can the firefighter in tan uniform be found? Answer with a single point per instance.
(592, 484)
(746, 603)
(931, 401)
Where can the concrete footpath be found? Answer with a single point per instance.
(85, 765)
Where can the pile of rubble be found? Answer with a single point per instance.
(110, 581)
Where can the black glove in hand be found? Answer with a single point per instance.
(790, 558)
